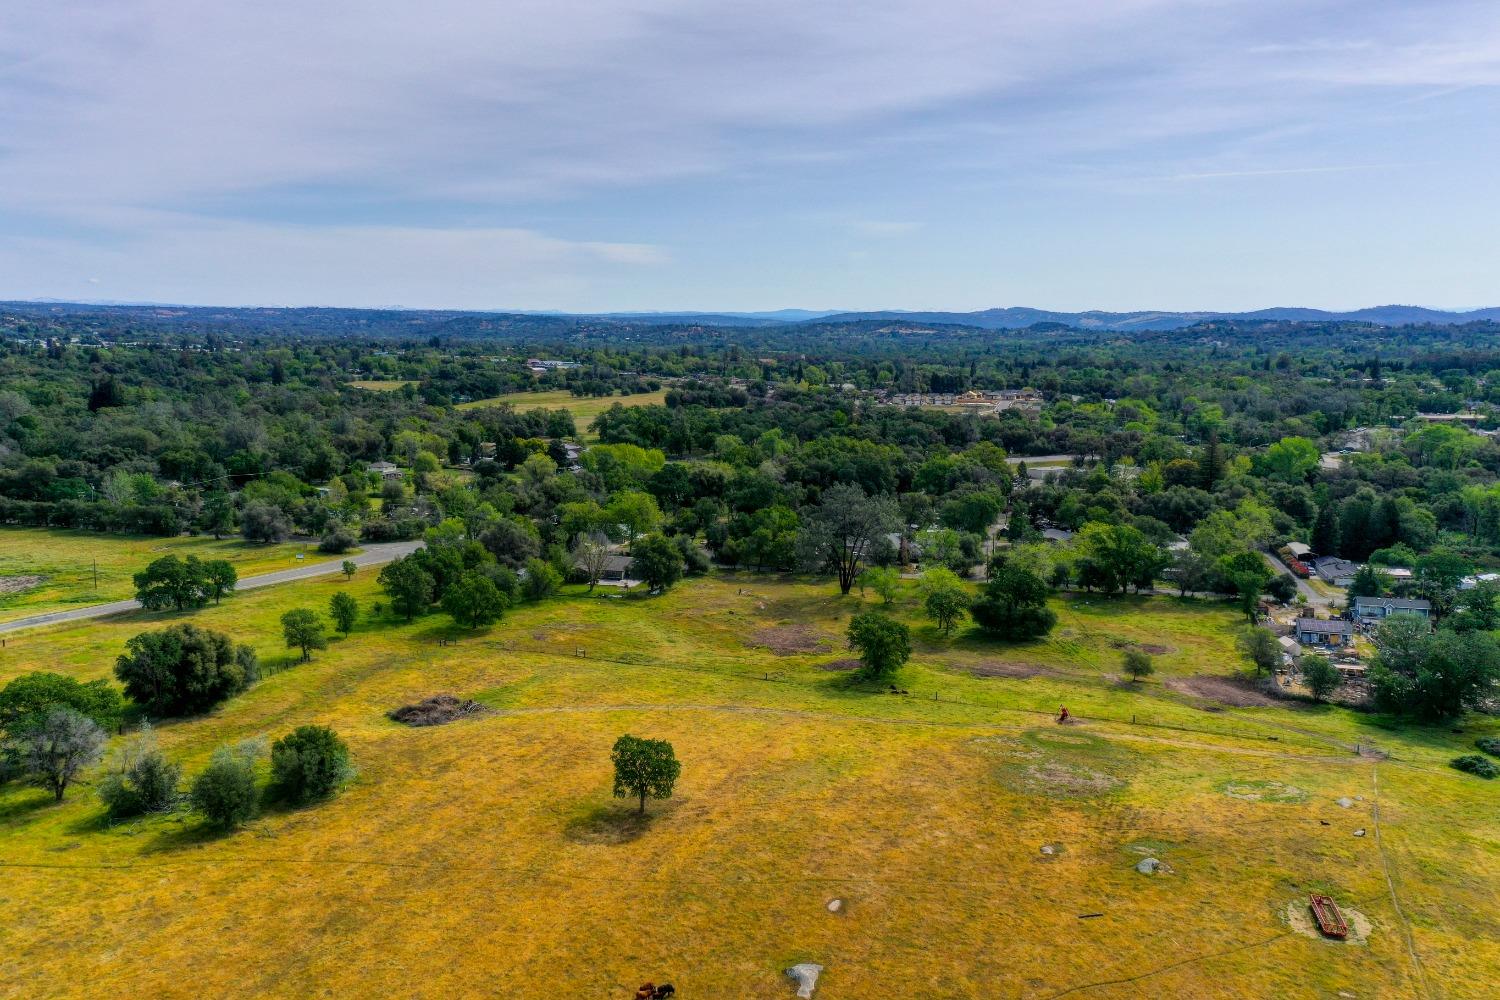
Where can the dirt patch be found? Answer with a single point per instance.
(1068, 779)
(1235, 692)
(1003, 668)
(436, 711)
(844, 665)
(16, 584)
(1263, 791)
(1156, 649)
(1299, 917)
(789, 640)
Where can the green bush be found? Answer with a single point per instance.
(225, 791)
(143, 782)
(309, 763)
(1489, 744)
(1472, 763)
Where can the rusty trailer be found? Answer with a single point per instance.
(1330, 920)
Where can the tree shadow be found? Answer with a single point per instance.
(618, 822)
(21, 805)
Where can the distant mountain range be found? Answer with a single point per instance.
(1021, 317)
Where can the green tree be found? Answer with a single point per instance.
(1291, 459)
(636, 512)
(349, 568)
(344, 610)
(541, 581)
(1432, 676)
(474, 601)
(140, 779)
(657, 562)
(946, 599)
(172, 583)
(309, 763)
(644, 768)
(63, 742)
(408, 585)
(302, 629)
(1248, 574)
(839, 531)
(884, 580)
(264, 522)
(219, 578)
(183, 669)
(1477, 611)
(1321, 677)
(1261, 648)
(1137, 663)
(224, 792)
(1439, 575)
(26, 699)
(1013, 605)
(1122, 556)
(1369, 582)
(884, 644)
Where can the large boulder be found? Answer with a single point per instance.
(805, 975)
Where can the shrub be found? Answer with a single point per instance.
(184, 669)
(336, 540)
(541, 581)
(1472, 763)
(1321, 677)
(1137, 663)
(62, 743)
(1489, 744)
(344, 610)
(884, 644)
(224, 793)
(145, 781)
(309, 763)
(302, 629)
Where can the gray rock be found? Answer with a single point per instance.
(835, 905)
(1345, 802)
(1048, 849)
(1360, 832)
(1147, 866)
(805, 975)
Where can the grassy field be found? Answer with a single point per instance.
(583, 408)
(64, 560)
(486, 857)
(381, 385)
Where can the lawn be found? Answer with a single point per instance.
(583, 408)
(487, 856)
(65, 562)
(381, 385)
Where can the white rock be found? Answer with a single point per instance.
(835, 905)
(1147, 866)
(1345, 802)
(805, 975)
(1360, 832)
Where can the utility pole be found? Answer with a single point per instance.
(96, 574)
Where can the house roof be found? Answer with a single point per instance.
(617, 564)
(1325, 626)
(1394, 603)
(1334, 564)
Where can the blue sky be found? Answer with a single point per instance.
(692, 154)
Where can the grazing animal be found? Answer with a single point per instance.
(665, 990)
(646, 992)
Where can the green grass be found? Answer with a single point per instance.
(583, 408)
(66, 560)
(381, 385)
(490, 851)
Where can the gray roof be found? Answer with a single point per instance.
(618, 564)
(1325, 626)
(1334, 564)
(1395, 603)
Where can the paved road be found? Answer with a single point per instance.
(373, 555)
(1314, 598)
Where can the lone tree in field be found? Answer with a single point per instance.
(1261, 648)
(302, 629)
(311, 762)
(409, 586)
(474, 601)
(224, 793)
(839, 531)
(184, 669)
(348, 567)
(1137, 663)
(62, 743)
(644, 768)
(884, 644)
(947, 600)
(344, 610)
(1321, 677)
(219, 578)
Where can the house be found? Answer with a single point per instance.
(1324, 632)
(1291, 649)
(1298, 550)
(1376, 608)
(1339, 572)
(616, 570)
(386, 470)
(1057, 535)
(487, 450)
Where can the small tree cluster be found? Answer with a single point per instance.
(173, 584)
(309, 763)
(142, 780)
(183, 669)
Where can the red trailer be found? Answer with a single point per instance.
(1330, 920)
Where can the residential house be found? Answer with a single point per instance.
(616, 569)
(1377, 608)
(386, 470)
(1335, 632)
(1339, 572)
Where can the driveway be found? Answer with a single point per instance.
(373, 555)
(1304, 588)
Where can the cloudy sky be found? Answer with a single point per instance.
(704, 154)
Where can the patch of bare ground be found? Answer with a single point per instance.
(1155, 649)
(844, 665)
(16, 584)
(437, 710)
(1057, 777)
(1236, 692)
(1006, 668)
(1299, 917)
(789, 640)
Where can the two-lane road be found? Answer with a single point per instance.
(373, 555)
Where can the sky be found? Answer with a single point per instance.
(604, 155)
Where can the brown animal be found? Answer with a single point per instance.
(646, 992)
